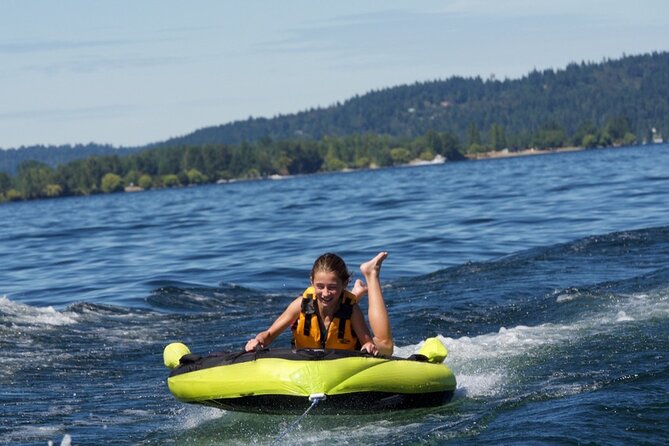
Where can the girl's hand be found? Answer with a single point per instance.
(370, 348)
(252, 345)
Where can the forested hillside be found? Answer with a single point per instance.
(544, 108)
(618, 102)
(583, 104)
(55, 155)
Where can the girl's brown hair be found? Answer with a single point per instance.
(330, 262)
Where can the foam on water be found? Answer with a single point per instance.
(34, 317)
(128, 335)
(485, 365)
(362, 433)
(22, 433)
(66, 441)
(353, 430)
(193, 416)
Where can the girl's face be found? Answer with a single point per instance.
(328, 288)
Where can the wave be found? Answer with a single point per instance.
(546, 322)
(519, 287)
(21, 316)
(183, 297)
(480, 362)
(528, 288)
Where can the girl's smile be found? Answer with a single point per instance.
(328, 287)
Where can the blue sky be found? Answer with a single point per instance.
(132, 72)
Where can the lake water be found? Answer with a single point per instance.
(547, 277)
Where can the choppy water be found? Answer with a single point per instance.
(547, 277)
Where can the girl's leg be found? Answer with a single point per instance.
(377, 312)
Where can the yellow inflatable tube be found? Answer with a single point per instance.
(281, 381)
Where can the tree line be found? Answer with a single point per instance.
(192, 165)
(616, 102)
(10, 159)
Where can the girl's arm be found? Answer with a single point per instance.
(265, 338)
(362, 332)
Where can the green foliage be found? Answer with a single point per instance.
(400, 155)
(477, 148)
(196, 177)
(170, 180)
(54, 156)
(616, 128)
(589, 141)
(13, 195)
(250, 174)
(82, 177)
(305, 157)
(473, 135)
(111, 183)
(145, 181)
(52, 190)
(183, 178)
(446, 144)
(332, 163)
(426, 155)
(132, 177)
(497, 137)
(550, 138)
(5, 182)
(629, 139)
(585, 130)
(361, 162)
(33, 179)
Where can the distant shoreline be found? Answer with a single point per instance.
(524, 152)
(439, 159)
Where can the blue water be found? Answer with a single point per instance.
(547, 277)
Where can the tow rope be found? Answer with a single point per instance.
(315, 398)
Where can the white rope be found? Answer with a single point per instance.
(315, 399)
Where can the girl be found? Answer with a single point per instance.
(328, 316)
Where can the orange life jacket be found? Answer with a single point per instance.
(308, 328)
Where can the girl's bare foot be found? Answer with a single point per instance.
(359, 288)
(374, 265)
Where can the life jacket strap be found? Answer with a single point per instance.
(309, 310)
(344, 314)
